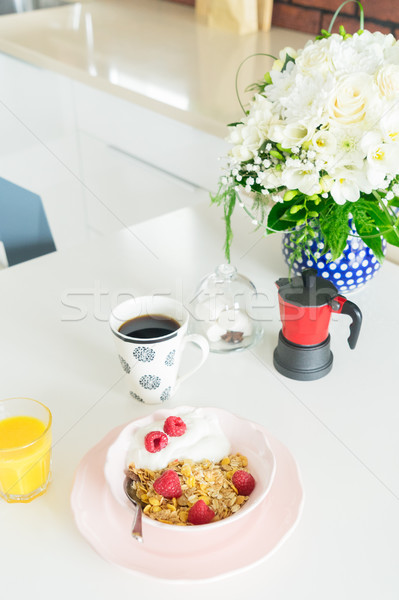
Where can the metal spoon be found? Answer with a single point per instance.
(135, 500)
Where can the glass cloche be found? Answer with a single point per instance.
(221, 310)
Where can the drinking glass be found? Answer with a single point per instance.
(25, 449)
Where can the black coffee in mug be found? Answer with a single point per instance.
(147, 327)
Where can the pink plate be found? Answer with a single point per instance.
(106, 525)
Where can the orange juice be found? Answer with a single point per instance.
(25, 454)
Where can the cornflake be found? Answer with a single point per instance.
(207, 481)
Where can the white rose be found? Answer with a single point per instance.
(316, 56)
(387, 80)
(349, 102)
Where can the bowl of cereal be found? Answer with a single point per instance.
(192, 466)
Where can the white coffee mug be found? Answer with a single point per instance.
(152, 364)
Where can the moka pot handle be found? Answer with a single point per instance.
(341, 305)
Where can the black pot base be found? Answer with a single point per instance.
(303, 363)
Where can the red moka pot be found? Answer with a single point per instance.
(306, 305)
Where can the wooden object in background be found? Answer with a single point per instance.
(238, 16)
(202, 9)
(265, 11)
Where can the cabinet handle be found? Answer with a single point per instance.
(184, 182)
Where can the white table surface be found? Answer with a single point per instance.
(55, 345)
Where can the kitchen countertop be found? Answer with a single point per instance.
(341, 429)
(154, 53)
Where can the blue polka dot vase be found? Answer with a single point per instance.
(355, 267)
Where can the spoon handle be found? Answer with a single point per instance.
(136, 526)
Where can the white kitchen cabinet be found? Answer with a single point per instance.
(138, 164)
(38, 145)
(98, 162)
(165, 143)
(122, 190)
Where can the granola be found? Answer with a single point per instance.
(207, 481)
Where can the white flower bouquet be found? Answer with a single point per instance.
(318, 147)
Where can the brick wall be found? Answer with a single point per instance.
(312, 15)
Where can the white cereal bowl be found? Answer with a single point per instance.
(245, 438)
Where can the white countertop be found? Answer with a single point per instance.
(153, 53)
(342, 429)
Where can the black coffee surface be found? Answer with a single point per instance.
(147, 327)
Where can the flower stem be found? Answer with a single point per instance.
(238, 72)
(361, 16)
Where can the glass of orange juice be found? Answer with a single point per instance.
(25, 449)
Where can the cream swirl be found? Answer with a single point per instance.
(203, 440)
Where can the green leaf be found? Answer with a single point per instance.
(235, 124)
(335, 228)
(367, 229)
(288, 59)
(373, 241)
(275, 219)
(370, 213)
(298, 215)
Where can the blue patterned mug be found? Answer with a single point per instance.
(150, 333)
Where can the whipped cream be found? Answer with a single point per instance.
(203, 440)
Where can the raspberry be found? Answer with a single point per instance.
(168, 485)
(174, 426)
(200, 513)
(244, 482)
(155, 441)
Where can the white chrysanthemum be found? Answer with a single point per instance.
(392, 53)
(347, 153)
(283, 83)
(361, 53)
(261, 115)
(308, 100)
